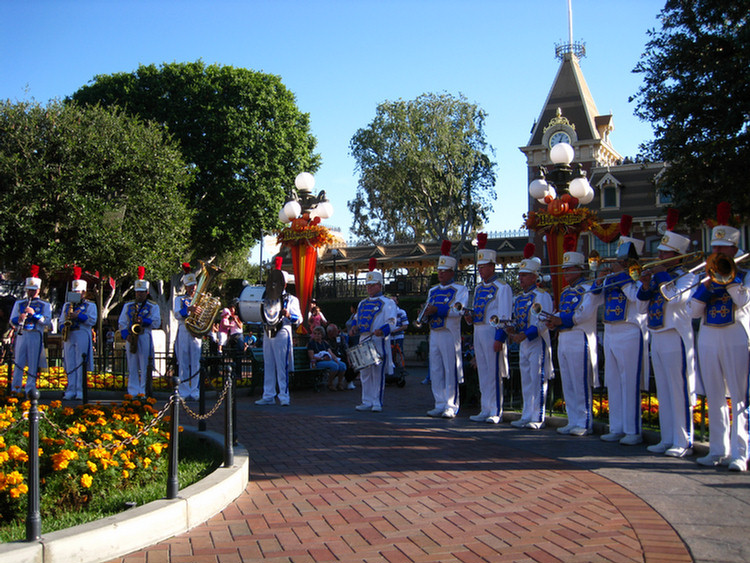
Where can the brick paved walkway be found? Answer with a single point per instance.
(332, 484)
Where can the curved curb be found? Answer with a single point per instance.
(115, 536)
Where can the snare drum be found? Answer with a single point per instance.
(364, 355)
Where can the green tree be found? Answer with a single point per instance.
(90, 186)
(424, 171)
(696, 72)
(240, 130)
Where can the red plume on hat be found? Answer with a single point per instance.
(569, 243)
(672, 217)
(445, 248)
(626, 221)
(481, 241)
(278, 262)
(528, 250)
(186, 267)
(372, 264)
(77, 272)
(723, 213)
(34, 271)
(141, 272)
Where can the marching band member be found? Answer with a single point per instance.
(576, 342)
(137, 319)
(671, 343)
(77, 319)
(30, 317)
(375, 320)
(445, 303)
(493, 302)
(532, 336)
(625, 352)
(278, 348)
(187, 347)
(723, 353)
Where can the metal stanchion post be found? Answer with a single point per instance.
(228, 431)
(33, 515)
(202, 396)
(174, 438)
(85, 378)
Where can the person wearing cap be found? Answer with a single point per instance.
(187, 347)
(375, 320)
(723, 352)
(532, 335)
(30, 317)
(493, 301)
(444, 309)
(78, 316)
(671, 342)
(576, 342)
(625, 351)
(137, 319)
(278, 347)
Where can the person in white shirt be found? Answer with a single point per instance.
(77, 319)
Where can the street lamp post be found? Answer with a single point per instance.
(334, 255)
(305, 235)
(562, 189)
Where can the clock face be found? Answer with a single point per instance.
(559, 137)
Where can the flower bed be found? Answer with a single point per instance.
(84, 452)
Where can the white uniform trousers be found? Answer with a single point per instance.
(623, 370)
(373, 377)
(531, 362)
(723, 357)
(491, 368)
(27, 353)
(188, 349)
(574, 358)
(669, 360)
(278, 361)
(139, 364)
(445, 369)
(78, 344)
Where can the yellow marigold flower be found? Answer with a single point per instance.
(125, 474)
(17, 453)
(106, 436)
(156, 448)
(14, 478)
(15, 492)
(86, 480)
(92, 466)
(130, 465)
(146, 461)
(2, 442)
(12, 401)
(4, 457)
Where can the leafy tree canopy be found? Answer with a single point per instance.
(424, 171)
(89, 186)
(239, 129)
(696, 73)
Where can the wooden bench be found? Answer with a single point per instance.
(302, 375)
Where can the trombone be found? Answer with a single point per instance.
(720, 269)
(635, 269)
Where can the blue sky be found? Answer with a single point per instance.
(343, 58)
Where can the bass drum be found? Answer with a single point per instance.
(250, 304)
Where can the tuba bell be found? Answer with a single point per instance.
(199, 321)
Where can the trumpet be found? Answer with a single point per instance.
(508, 324)
(543, 315)
(422, 317)
(136, 329)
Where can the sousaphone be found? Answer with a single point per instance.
(272, 304)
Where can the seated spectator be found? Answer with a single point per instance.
(337, 342)
(321, 356)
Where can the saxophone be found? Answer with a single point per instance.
(200, 319)
(135, 330)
